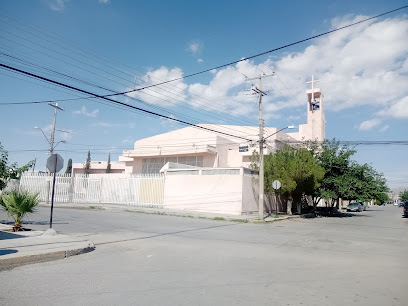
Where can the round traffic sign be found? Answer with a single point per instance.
(276, 184)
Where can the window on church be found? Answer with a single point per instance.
(153, 165)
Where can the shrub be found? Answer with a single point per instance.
(18, 204)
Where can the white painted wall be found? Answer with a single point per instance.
(221, 193)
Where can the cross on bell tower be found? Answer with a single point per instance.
(316, 121)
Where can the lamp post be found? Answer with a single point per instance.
(261, 171)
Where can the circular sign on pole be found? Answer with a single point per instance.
(55, 163)
(276, 185)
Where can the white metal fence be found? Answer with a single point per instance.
(138, 190)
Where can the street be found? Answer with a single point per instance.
(143, 259)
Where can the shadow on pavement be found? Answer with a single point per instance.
(333, 215)
(32, 222)
(7, 235)
(6, 252)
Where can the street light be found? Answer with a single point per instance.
(261, 172)
(52, 147)
(61, 141)
(288, 127)
(38, 128)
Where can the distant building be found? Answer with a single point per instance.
(99, 167)
(202, 148)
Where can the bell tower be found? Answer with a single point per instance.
(316, 121)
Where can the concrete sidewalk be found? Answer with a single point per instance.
(22, 248)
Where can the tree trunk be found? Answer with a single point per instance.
(289, 206)
(299, 208)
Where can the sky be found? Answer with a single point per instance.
(110, 46)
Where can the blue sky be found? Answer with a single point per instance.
(117, 45)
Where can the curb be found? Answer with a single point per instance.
(11, 263)
(253, 219)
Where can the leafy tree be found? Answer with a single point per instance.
(12, 171)
(108, 167)
(298, 172)
(87, 167)
(69, 167)
(18, 204)
(345, 178)
(362, 182)
(383, 197)
(335, 160)
(403, 195)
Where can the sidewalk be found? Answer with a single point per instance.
(22, 248)
(247, 218)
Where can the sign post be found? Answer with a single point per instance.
(54, 163)
(276, 185)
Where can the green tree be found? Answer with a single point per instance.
(69, 167)
(345, 178)
(363, 182)
(298, 172)
(18, 204)
(87, 167)
(8, 171)
(108, 167)
(335, 160)
(403, 195)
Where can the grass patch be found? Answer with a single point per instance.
(240, 220)
(96, 207)
(259, 222)
(219, 219)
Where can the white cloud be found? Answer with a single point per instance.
(57, 5)
(84, 111)
(364, 65)
(369, 124)
(104, 124)
(195, 47)
(200, 60)
(104, 1)
(384, 128)
(399, 109)
(166, 94)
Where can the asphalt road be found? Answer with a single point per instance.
(160, 260)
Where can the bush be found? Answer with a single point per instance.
(18, 204)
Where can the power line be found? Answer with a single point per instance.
(98, 74)
(88, 83)
(265, 52)
(118, 102)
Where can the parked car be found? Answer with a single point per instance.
(405, 210)
(355, 207)
(401, 204)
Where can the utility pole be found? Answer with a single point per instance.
(56, 108)
(258, 90)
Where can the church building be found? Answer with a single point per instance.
(202, 147)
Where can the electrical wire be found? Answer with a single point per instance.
(118, 102)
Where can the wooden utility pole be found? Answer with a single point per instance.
(258, 90)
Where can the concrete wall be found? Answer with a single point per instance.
(222, 194)
(249, 194)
